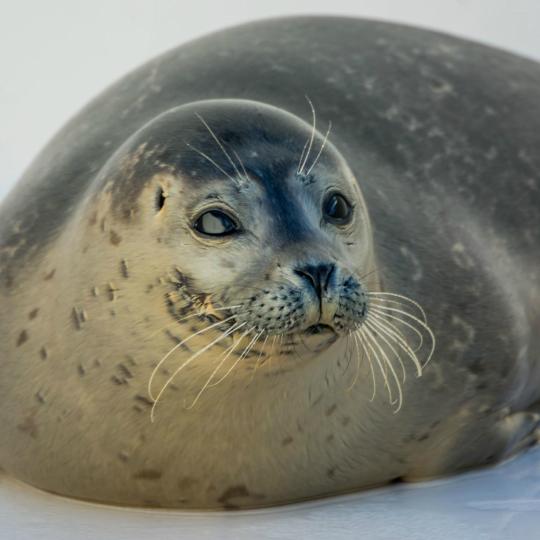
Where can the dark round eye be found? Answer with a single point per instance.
(337, 209)
(215, 223)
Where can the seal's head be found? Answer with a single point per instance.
(261, 217)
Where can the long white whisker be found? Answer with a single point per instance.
(357, 372)
(258, 359)
(312, 138)
(420, 322)
(381, 311)
(361, 331)
(219, 143)
(212, 162)
(160, 363)
(182, 366)
(244, 353)
(246, 177)
(371, 324)
(302, 156)
(320, 149)
(398, 340)
(381, 293)
(369, 331)
(223, 357)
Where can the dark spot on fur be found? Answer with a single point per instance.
(123, 456)
(331, 472)
(187, 482)
(345, 421)
(81, 370)
(102, 224)
(114, 238)
(50, 275)
(124, 268)
(144, 400)
(43, 353)
(331, 410)
(287, 440)
(233, 492)
(40, 397)
(76, 318)
(423, 437)
(125, 371)
(23, 338)
(29, 427)
(33, 313)
(330, 438)
(93, 219)
(118, 381)
(148, 474)
(112, 289)
(131, 360)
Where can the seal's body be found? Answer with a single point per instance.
(199, 290)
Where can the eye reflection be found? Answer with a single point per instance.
(215, 223)
(337, 209)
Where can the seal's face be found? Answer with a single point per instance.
(275, 225)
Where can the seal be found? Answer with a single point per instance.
(287, 260)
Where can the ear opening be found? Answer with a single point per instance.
(160, 199)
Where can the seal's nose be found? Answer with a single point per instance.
(317, 275)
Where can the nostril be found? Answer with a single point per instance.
(318, 276)
(308, 276)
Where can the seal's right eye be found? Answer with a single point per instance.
(215, 223)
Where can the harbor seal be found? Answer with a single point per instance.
(291, 259)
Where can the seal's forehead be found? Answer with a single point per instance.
(223, 140)
(226, 138)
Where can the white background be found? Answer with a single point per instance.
(55, 56)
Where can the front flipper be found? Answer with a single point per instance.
(465, 441)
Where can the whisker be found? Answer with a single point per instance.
(187, 362)
(370, 324)
(270, 355)
(355, 378)
(312, 138)
(403, 345)
(380, 311)
(416, 319)
(244, 353)
(160, 363)
(224, 357)
(212, 162)
(361, 331)
(416, 304)
(246, 177)
(258, 359)
(302, 156)
(369, 332)
(218, 143)
(321, 149)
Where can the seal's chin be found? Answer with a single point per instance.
(318, 337)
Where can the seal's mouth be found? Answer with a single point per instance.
(315, 329)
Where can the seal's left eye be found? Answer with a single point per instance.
(215, 223)
(337, 209)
